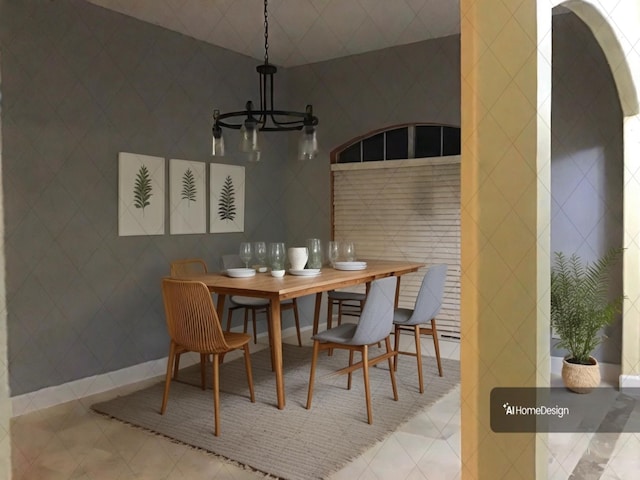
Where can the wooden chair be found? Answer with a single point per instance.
(188, 266)
(428, 304)
(194, 326)
(374, 326)
(255, 305)
(185, 266)
(349, 303)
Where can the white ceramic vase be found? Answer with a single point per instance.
(298, 257)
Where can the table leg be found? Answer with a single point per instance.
(220, 312)
(316, 312)
(220, 306)
(276, 348)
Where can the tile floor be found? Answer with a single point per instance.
(70, 442)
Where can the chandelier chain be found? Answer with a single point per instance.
(266, 35)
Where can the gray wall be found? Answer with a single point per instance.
(587, 157)
(81, 84)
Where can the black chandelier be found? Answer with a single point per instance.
(267, 118)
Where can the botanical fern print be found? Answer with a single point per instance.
(227, 202)
(189, 189)
(142, 190)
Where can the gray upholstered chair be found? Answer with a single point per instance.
(374, 326)
(255, 305)
(349, 303)
(427, 306)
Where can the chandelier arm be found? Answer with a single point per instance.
(267, 118)
(279, 125)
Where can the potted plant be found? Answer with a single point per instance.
(580, 308)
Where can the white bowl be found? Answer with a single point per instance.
(277, 273)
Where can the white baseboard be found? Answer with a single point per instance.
(58, 394)
(609, 372)
(629, 381)
(84, 387)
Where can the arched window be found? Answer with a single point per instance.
(401, 142)
(396, 195)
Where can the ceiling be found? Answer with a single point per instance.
(300, 31)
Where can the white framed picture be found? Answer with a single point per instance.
(141, 198)
(226, 197)
(187, 197)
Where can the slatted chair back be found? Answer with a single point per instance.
(192, 321)
(188, 266)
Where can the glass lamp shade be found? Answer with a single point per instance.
(249, 137)
(308, 144)
(217, 149)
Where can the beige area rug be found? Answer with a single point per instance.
(293, 443)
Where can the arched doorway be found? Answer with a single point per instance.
(607, 23)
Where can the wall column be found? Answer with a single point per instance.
(5, 400)
(506, 118)
(630, 367)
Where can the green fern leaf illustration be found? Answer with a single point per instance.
(189, 189)
(142, 189)
(227, 202)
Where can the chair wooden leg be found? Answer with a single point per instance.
(367, 390)
(314, 359)
(339, 312)
(176, 366)
(246, 320)
(203, 367)
(255, 330)
(387, 343)
(216, 395)
(329, 313)
(396, 346)
(296, 318)
(229, 317)
(419, 358)
(167, 380)
(349, 374)
(247, 366)
(436, 346)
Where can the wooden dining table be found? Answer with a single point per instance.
(263, 285)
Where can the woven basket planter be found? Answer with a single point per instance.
(581, 378)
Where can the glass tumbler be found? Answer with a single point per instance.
(260, 251)
(277, 255)
(348, 251)
(315, 253)
(333, 252)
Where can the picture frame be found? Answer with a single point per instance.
(141, 194)
(187, 197)
(227, 198)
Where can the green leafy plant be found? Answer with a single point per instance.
(189, 189)
(226, 204)
(142, 189)
(580, 305)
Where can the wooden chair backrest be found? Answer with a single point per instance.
(192, 321)
(188, 266)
